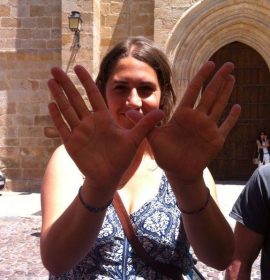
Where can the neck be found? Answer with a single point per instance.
(144, 152)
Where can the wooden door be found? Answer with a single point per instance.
(252, 92)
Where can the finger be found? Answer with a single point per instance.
(71, 92)
(134, 115)
(144, 123)
(231, 120)
(63, 104)
(58, 121)
(222, 99)
(196, 84)
(210, 93)
(94, 96)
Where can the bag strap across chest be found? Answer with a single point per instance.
(168, 270)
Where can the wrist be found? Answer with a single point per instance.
(196, 210)
(94, 196)
(90, 207)
(192, 195)
(185, 185)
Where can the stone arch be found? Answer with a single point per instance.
(209, 25)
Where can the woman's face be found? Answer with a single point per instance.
(133, 84)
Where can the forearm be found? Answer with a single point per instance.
(71, 236)
(238, 271)
(208, 231)
(248, 244)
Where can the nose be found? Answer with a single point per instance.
(134, 101)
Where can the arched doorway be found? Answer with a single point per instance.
(252, 92)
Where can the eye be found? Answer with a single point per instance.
(145, 91)
(120, 88)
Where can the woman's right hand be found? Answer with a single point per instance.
(101, 149)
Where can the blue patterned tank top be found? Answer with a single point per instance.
(160, 230)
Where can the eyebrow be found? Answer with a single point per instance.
(120, 82)
(147, 83)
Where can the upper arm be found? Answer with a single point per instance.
(60, 185)
(248, 244)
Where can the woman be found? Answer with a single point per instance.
(128, 144)
(263, 148)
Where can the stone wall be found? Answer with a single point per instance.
(35, 36)
(29, 46)
(123, 18)
(166, 14)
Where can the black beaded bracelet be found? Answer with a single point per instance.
(91, 208)
(197, 210)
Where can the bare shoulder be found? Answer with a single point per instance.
(61, 161)
(61, 153)
(60, 185)
(62, 174)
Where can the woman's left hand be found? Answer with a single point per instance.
(192, 138)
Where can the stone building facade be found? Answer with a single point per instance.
(35, 36)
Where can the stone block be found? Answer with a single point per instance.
(4, 11)
(43, 33)
(30, 131)
(13, 173)
(4, 85)
(45, 22)
(54, 44)
(8, 132)
(24, 33)
(23, 120)
(37, 142)
(56, 33)
(24, 108)
(33, 44)
(51, 132)
(10, 22)
(10, 153)
(29, 22)
(9, 142)
(6, 120)
(23, 185)
(37, 11)
(33, 173)
(43, 120)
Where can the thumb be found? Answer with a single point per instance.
(143, 123)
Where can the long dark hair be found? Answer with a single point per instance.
(259, 136)
(146, 51)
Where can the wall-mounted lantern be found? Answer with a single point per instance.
(75, 23)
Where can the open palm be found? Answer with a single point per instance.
(192, 138)
(101, 149)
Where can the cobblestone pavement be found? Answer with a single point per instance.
(20, 222)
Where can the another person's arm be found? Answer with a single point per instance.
(248, 244)
(251, 211)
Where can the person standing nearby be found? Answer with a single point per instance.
(263, 148)
(252, 231)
